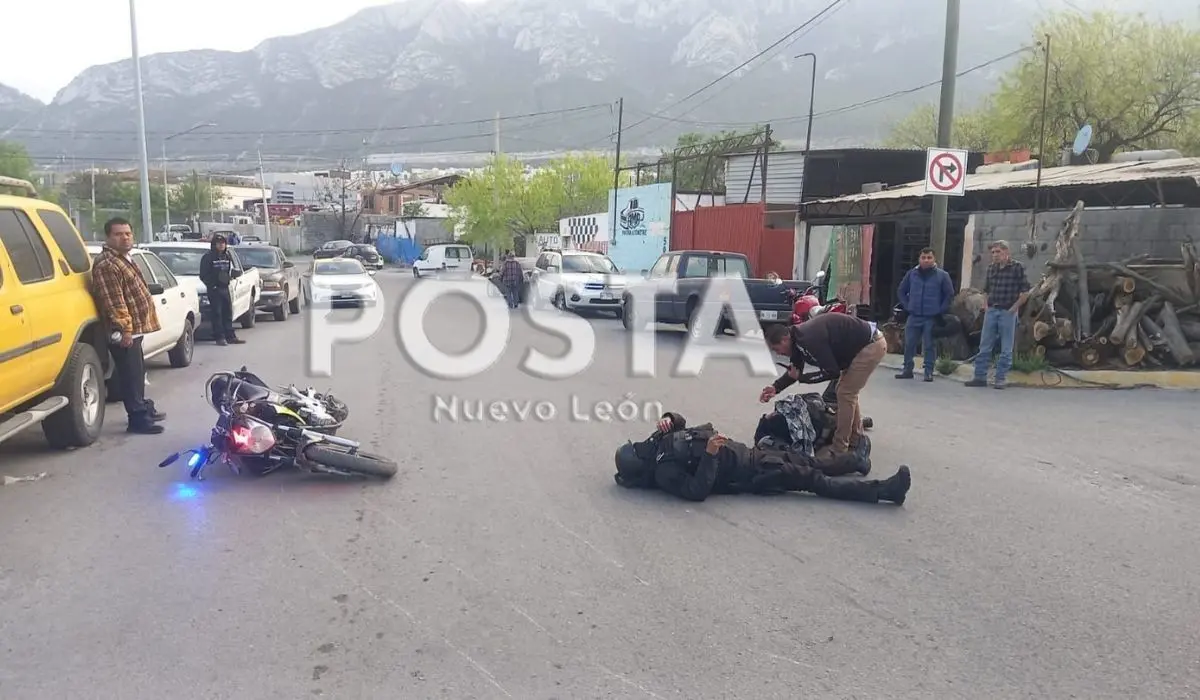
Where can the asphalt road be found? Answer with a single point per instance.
(1048, 548)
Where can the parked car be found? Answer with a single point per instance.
(281, 293)
(340, 282)
(183, 260)
(331, 249)
(575, 280)
(53, 353)
(366, 254)
(682, 278)
(178, 308)
(444, 260)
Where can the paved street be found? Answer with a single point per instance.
(1048, 548)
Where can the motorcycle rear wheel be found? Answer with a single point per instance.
(358, 463)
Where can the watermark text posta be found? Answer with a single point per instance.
(723, 300)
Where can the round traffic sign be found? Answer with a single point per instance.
(945, 172)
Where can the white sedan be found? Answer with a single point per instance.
(340, 282)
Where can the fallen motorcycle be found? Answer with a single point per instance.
(261, 430)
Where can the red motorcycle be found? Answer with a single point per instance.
(807, 304)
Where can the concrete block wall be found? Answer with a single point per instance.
(1104, 235)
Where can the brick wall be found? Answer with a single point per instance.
(1104, 235)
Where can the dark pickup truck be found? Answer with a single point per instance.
(690, 271)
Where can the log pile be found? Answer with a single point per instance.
(1133, 314)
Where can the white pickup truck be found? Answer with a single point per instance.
(183, 259)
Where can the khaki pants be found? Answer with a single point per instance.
(849, 414)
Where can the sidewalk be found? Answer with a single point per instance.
(1072, 379)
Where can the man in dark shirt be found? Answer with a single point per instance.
(216, 271)
(693, 463)
(925, 293)
(845, 349)
(1007, 288)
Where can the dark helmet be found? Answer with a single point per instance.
(632, 470)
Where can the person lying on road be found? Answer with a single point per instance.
(693, 463)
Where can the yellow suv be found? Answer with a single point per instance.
(51, 338)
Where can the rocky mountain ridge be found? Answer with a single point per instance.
(402, 77)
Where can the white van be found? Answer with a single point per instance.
(444, 260)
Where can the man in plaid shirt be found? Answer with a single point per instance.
(511, 278)
(127, 308)
(1007, 288)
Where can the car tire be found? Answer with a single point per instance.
(82, 382)
(280, 313)
(250, 318)
(181, 355)
(560, 300)
(294, 304)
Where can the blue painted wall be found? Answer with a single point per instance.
(643, 216)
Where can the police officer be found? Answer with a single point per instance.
(693, 463)
(216, 272)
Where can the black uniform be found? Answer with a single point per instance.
(677, 462)
(216, 272)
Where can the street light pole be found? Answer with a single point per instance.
(166, 192)
(812, 95)
(147, 223)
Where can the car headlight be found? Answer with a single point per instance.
(271, 286)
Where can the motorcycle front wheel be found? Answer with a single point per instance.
(357, 463)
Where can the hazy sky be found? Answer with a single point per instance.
(75, 34)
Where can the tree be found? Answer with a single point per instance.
(194, 194)
(340, 194)
(501, 201)
(111, 192)
(972, 130)
(413, 210)
(698, 166)
(15, 161)
(1134, 81)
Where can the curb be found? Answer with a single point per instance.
(1071, 379)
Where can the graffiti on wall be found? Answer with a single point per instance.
(590, 232)
(850, 255)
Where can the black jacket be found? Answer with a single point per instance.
(684, 469)
(216, 269)
(830, 342)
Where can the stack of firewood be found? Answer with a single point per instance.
(1136, 313)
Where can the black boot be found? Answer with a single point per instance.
(141, 424)
(895, 489)
(155, 415)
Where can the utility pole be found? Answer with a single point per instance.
(763, 176)
(93, 231)
(262, 184)
(496, 134)
(941, 203)
(617, 165)
(812, 98)
(1037, 188)
(166, 190)
(496, 177)
(147, 222)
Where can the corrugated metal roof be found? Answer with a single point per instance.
(1066, 176)
(785, 178)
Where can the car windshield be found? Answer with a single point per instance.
(262, 258)
(588, 263)
(339, 267)
(366, 250)
(182, 261)
(458, 252)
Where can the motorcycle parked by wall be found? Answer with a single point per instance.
(262, 430)
(806, 304)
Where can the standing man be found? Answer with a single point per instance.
(128, 311)
(925, 293)
(216, 272)
(512, 277)
(1007, 288)
(845, 349)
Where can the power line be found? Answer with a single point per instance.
(723, 90)
(828, 8)
(849, 107)
(329, 132)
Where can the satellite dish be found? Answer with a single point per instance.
(398, 169)
(1082, 140)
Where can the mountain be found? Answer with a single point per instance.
(16, 108)
(345, 90)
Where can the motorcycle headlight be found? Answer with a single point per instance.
(251, 437)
